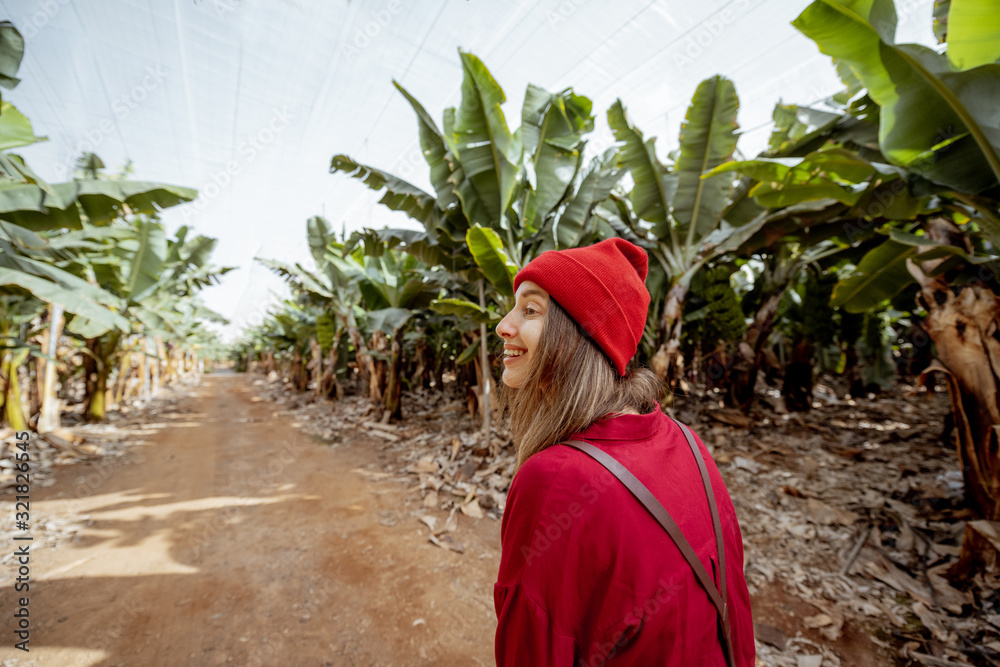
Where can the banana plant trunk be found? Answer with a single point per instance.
(298, 371)
(361, 357)
(394, 383)
(124, 371)
(103, 349)
(376, 368)
(751, 354)
(48, 419)
(667, 362)
(964, 327)
(315, 367)
(10, 362)
(330, 386)
(159, 353)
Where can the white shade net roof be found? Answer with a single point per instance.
(248, 100)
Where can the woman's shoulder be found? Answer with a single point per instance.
(560, 477)
(556, 464)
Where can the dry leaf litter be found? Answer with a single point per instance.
(854, 509)
(104, 445)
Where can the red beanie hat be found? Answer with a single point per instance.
(603, 288)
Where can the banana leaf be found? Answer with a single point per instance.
(653, 194)
(299, 276)
(387, 320)
(399, 195)
(881, 274)
(954, 139)
(469, 353)
(466, 311)
(597, 184)
(973, 33)
(483, 143)
(435, 152)
(11, 53)
(707, 140)
(147, 263)
(552, 128)
(50, 283)
(15, 128)
(488, 252)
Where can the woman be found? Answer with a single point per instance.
(587, 575)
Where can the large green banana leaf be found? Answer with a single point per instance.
(597, 184)
(797, 125)
(47, 282)
(881, 274)
(465, 310)
(299, 276)
(11, 53)
(832, 173)
(318, 232)
(102, 200)
(973, 33)
(147, 262)
(435, 152)
(472, 205)
(419, 244)
(483, 144)
(59, 205)
(552, 129)
(708, 139)
(15, 128)
(387, 320)
(652, 195)
(399, 195)
(488, 252)
(938, 122)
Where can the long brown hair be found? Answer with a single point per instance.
(569, 386)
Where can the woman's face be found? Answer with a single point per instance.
(521, 329)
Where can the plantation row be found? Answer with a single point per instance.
(97, 304)
(862, 241)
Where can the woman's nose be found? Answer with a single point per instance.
(504, 329)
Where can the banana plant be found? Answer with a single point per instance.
(394, 287)
(529, 187)
(335, 293)
(156, 279)
(672, 210)
(16, 314)
(28, 261)
(501, 197)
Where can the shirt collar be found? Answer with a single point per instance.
(626, 427)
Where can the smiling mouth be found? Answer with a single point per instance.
(512, 356)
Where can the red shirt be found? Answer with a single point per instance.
(588, 577)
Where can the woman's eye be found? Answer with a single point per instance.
(530, 311)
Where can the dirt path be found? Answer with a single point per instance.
(232, 538)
